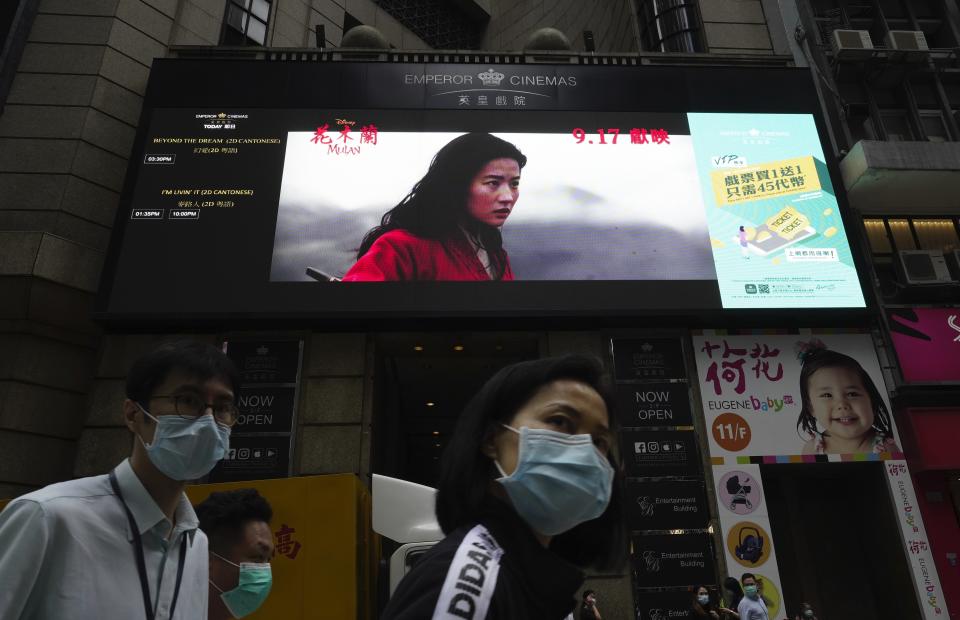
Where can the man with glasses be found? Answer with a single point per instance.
(126, 544)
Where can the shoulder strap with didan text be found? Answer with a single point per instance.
(471, 579)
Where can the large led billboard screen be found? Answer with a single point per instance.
(369, 189)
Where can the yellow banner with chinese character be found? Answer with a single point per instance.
(777, 178)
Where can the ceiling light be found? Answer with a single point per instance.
(418, 347)
(438, 445)
(430, 403)
(436, 432)
(458, 347)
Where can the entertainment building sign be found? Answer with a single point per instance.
(621, 191)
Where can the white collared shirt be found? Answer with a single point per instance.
(66, 551)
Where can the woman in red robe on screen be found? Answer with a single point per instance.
(448, 226)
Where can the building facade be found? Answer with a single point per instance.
(74, 77)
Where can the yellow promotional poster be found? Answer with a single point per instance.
(776, 178)
(324, 564)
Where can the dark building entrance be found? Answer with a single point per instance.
(422, 382)
(838, 544)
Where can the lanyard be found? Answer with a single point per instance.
(141, 561)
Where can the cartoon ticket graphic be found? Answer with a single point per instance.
(784, 228)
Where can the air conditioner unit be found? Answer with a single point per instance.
(908, 45)
(923, 267)
(851, 44)
(953, 263)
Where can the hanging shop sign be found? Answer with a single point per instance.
(652, 605)
(266, 362)
(770, 398)
(254, 457)
(648, 359)
(666, 504)
(927, 342)
(655, 453)
(641, 405)
(668, 560)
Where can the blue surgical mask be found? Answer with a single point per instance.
(750, 591)
(560, 481)
(251, 591)
(186, 449)
(703, 599)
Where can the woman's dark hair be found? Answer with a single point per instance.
(466, 472)
(196, 360)
(427, 210)
(587, 593)
(815, 356)
(731, 585)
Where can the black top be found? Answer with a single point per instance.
(496, 565)
(586, 612)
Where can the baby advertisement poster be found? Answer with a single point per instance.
(775, 228)
(794, 398)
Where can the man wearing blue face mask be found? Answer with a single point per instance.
(241, 544)
(126, 544)
(751, 607)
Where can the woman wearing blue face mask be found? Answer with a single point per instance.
(529, 495)
(706, 605)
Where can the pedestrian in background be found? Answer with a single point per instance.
(706, 604)
(588, 609)
(752, 605)
(733, 593)
(237, 524)
(806, 612)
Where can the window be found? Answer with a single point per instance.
(902, 237)
(8, 11)
(897, 125)
(877, 236)
(938, 234)
(442, 24)
(16, 19)
(934, 126)
(892, 9)
(670, 26)
(245, 22)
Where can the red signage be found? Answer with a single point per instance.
(927, 342)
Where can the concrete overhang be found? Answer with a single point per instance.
(899, 178)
